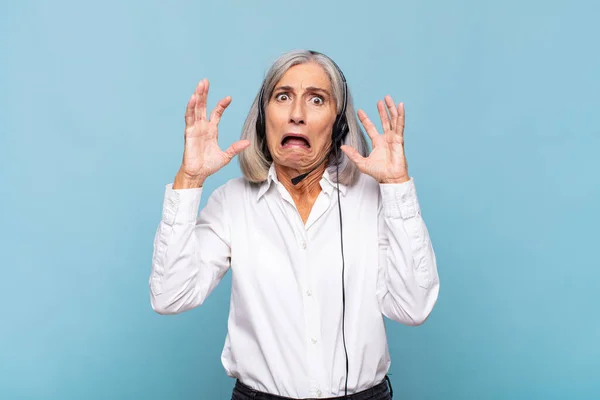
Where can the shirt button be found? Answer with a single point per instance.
(319, 393)
(308, 293)
(304, 245)
(313, 340)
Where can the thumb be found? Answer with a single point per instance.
(237, 148)
(354, 156)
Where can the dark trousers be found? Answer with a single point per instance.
(378, 392)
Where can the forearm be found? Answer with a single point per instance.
(408, 281)
(189, 259)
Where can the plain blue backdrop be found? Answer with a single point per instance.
(502, 139)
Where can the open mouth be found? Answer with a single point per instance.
(293, 140)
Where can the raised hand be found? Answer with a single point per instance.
(387, 162)
(202, 155)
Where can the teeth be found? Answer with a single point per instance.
(295, 140)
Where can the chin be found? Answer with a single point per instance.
(294, 158)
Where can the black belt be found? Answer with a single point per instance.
(366, 394)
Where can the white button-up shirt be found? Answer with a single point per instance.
(285, 319)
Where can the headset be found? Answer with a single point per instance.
(338, 133)
(340, 126)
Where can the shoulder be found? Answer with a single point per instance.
(236, 189)
(240, 185)
(234, 185)
(365, 190)
(365, 184)
(226, 199)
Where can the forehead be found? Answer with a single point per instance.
(304, 75)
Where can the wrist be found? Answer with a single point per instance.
(186, 181)
(403, 179)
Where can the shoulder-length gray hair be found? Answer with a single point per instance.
(255, 160)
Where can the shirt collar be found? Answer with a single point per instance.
(327, 184)
(271, 177)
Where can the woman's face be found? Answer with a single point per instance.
(300, 116)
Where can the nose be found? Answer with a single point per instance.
(297, 113)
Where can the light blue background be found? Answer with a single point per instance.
(502, 139)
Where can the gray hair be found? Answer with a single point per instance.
(255, 160)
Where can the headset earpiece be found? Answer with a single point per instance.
(340, 130)
(260, 124)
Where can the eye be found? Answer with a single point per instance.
(282, 97)
(318, 100)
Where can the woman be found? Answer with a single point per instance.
(323, 239)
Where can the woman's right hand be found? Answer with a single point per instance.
(202, 156)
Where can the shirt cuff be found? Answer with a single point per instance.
(400, 199)
(180, 205)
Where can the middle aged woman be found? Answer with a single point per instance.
(324, 240)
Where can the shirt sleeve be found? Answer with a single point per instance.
(408, 282)
(191, 252)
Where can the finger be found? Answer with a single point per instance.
(206, 85)
(383, 115)
(200, 102)
(215, 115)
(237, 148)
(400, 120)
(354, 156)
(202, 96)
(367, 124)
(189, 111)
(389, 102)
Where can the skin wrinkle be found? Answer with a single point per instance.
(299, 115)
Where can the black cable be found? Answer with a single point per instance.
(337, 172)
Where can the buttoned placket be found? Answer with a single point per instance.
(313, 315)
(311, 309)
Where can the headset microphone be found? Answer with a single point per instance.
(299, 178)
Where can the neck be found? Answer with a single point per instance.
(308, 188)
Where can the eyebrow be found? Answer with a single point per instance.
(308, 89)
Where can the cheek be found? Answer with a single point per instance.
(275, 116)
(323, 120)
(274, 125)
(270, 132)
(322, 129)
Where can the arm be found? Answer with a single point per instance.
(191, 255)
(408, 282)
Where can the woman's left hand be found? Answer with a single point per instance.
(387, 162)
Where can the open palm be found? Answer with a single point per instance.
(387, 161)
(202, 155)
